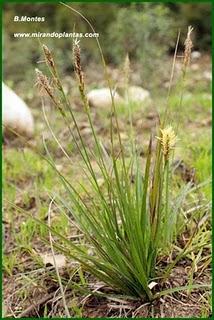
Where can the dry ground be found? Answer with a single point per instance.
(31, 289)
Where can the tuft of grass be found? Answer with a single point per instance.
(129, 224)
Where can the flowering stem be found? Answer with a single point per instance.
(167, 192)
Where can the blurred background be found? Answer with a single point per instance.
(146, 31)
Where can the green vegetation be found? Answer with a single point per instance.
(119, 25)
(89, 190)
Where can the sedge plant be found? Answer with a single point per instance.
(127, 224)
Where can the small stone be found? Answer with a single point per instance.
(195, 55)
(138, 94)
(101, 98)
(195, 66)
(58, 259)
(207, 75)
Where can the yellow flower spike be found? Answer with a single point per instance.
(168, 140)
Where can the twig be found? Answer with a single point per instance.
(55, 264)
(35, 306)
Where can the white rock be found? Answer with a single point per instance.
(59, 260)
(195, 55)
(194, 66)
(101, 98)
(15, 113)
(207, 75)
(138, 94)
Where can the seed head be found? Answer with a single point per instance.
(44, 85)
(188, 47)
(77, 63)
(126, 68)
(48, 56)
(168, 140)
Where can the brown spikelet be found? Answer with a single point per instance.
(188, 48)
(50, 62)
(48, 56)
(127, 69)
(77, 64)
(79, 72)
(44, 85)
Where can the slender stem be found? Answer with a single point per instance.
(167, 188)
